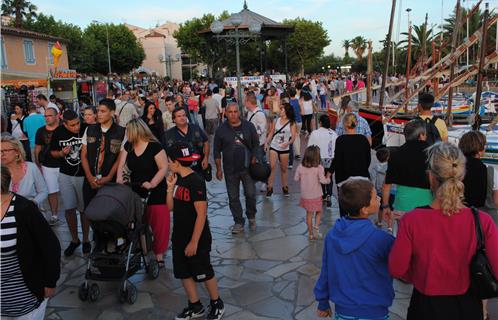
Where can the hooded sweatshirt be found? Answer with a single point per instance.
(354, 271)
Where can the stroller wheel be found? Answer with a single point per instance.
(153, 269)
(94, 292)
(131, 296)
(83, 291)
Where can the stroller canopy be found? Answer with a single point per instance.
(115, 202)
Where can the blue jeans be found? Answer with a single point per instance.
(233, 181)
(323, 100)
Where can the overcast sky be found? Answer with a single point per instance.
(342, 19)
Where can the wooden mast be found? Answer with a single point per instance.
(369, 74)
(477, 121)
(386, 56)
(435, 80)
(454, 39)
(408, 61)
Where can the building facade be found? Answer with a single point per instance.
(26, 55)
(162, 54)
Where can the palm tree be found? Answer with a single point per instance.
(19, 9)
(359, 45)
(421, 40)
(346, 44)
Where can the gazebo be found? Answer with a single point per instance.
(270, 30)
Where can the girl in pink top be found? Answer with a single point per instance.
(435, 244)
(311, 174)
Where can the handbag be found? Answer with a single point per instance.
(483, 281)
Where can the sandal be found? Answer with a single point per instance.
(311, 237)
(318, 234)
(160, 263)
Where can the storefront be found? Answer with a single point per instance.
(62, 84)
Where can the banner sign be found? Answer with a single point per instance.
(247, 80)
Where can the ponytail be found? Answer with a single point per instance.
(450, 196)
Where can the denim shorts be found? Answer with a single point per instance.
(340, 317)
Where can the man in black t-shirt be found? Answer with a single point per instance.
(66, 145)
(49, 165)
(186, 197)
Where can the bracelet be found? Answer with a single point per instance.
(386, 206)
(170, 190)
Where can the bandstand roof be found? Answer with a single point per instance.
(270, 29)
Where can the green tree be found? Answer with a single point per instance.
(19, 9)
(421, 36)
(305, 45)
(359, 45)
(76, 48)
(196, 45)
(126, 51)
(346, 44)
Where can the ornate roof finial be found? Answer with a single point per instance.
(245, 5)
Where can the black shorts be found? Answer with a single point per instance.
(279, 152)
(197, 267)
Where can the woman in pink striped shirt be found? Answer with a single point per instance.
(435, 244)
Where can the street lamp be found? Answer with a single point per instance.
(238, 37)
(108, 47)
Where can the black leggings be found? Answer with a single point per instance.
(307, 122)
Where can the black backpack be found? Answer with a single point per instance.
(431, 130)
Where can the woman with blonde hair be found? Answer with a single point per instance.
(144, 156)
(27, 179)
(352, 155)
(435, 244)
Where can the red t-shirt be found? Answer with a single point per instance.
(433, 251)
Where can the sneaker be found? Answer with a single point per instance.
(87, 247)
(70, 249)
(193, 311)
(285, 190)
(269, 192)
(297, 157)
(237, 228)
(263, 187)
(290, 166)
(53, 220)
(252, 224)
(216, 310)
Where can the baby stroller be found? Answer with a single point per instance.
(122, 242)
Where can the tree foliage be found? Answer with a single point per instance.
(359, 45)
(126, 51)
(306, 44)
(19, 9)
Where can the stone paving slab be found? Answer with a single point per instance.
(264, 274)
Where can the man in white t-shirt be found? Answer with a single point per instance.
(43, 102)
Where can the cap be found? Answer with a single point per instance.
(181, 151)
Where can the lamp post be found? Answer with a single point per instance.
(237, 37)
(108, 47)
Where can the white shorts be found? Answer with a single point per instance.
(51, 176)
(72, 192)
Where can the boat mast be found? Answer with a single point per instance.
(369, 74)
(477, 121)
(454, 39)
(409, 57)
(386, 56)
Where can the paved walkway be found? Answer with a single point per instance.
(266, 274)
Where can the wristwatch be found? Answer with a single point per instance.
(385, 206)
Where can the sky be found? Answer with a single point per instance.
(343, 20)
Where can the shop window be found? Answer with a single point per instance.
(50, 56)
(4, 55)
(29, 52)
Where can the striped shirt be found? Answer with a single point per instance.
(17, 299)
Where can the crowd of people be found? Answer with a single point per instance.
(166, 142)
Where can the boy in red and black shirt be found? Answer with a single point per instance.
(191, 238)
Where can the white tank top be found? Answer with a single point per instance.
(308, 107)
(283, 136)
